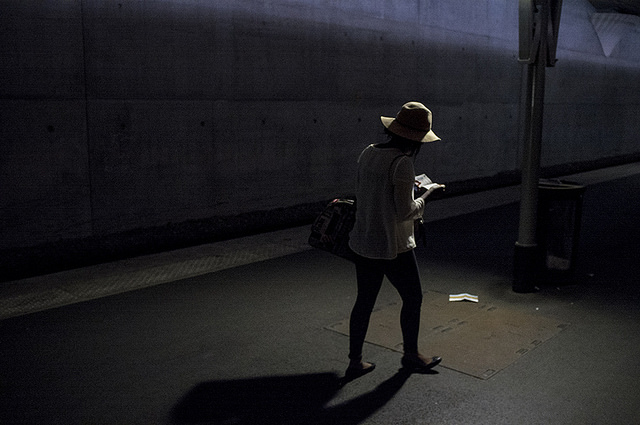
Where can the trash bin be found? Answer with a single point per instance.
(558, 231)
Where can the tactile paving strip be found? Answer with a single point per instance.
(59, 289)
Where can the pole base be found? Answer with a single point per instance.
(526, 270)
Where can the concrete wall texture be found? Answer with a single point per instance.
(132, 114)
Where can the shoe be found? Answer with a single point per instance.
(356, 372)
(418, 363)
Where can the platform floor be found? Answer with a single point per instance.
(239, 332)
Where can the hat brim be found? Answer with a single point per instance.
(407, 132)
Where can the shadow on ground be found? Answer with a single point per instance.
(297, 399)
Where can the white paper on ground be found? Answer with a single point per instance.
(463, 297)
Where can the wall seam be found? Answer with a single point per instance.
(86, 115)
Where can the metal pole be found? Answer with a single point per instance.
(527, 256)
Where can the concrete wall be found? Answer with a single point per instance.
(123, 115)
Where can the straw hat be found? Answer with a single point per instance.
(412, 122)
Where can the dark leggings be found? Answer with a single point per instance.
(403, 274)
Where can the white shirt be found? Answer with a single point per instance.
(385, 206)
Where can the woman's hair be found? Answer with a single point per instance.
(405, 145)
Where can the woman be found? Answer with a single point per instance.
(382, 237)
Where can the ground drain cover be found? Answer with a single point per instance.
(478, 339)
